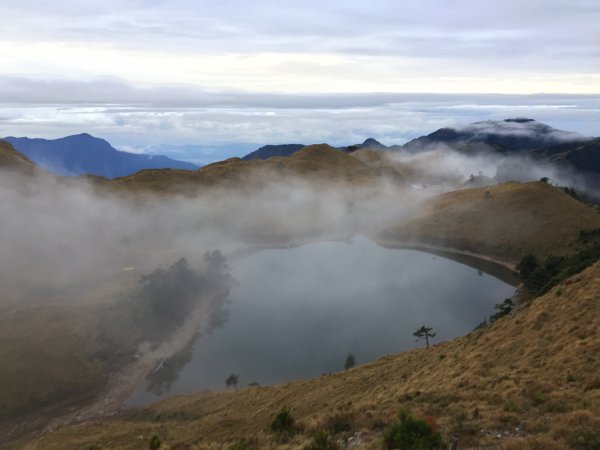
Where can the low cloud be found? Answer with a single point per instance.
(174, 116)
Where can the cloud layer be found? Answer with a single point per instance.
(146, 73)
(267, 46)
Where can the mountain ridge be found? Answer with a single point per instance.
(85, 154)
(506, 136)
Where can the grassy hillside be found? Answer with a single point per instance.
(315, 163)
(529, 380)
(58, 349)
(507, 221)
(383, 165)
(11, 159)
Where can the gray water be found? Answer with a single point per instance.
(299, 312)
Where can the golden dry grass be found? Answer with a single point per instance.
(530, 378)
(315, 163)
(11, 159)
(58, 349)
(506, 221)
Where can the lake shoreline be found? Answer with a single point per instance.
(448, 252)
(122, 384)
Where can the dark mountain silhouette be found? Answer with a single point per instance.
(369, 143)
(268, 151)
(372, 143)
(86, 154)
(504, 136)
(583, 157)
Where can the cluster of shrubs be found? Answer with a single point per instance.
(539, 277)
(408, 432)
(502, 309)
(167, 295)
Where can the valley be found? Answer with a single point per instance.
(124, 278)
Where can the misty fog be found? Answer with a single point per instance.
(92, 248)
(56, 233)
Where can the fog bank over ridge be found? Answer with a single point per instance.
(56, 231)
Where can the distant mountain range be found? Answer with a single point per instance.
(504, 136)
(268, 151)
(518, 135)
(86, 154)
(79, 154)
(509, 136)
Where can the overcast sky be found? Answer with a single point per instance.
(149, 72)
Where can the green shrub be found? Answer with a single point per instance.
(540, 278)
(410, 433)
(504, 309)
(527, 265)
(283, 422)
(154, 443)
(586, 439)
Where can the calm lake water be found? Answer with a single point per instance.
(299, 312)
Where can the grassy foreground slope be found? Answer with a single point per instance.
(531, 378)
(506, 221)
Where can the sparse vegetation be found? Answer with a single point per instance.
(244, 444)
(339, 423)
(321, 440)
(410, 433)
(232, 380)
(350, 361)
(154, 443)
(424, 333)
(503, 309)
(283, 422)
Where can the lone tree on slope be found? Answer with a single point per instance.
(424, 333)
(232, 380)
(350, 361)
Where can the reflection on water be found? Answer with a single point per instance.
(299, 312)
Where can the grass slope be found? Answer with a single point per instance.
(315, 163)
(507, 221)
(530, 380)
(11, 159)
(56, 346)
